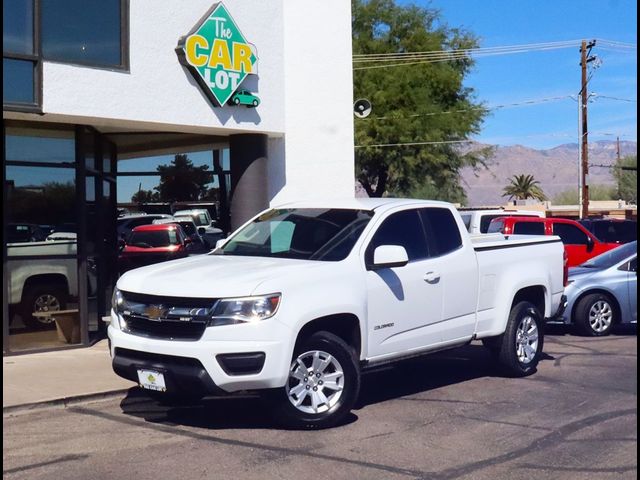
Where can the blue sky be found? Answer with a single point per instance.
(519, 77)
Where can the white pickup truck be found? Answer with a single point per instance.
(302, 298)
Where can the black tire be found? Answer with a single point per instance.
(508, 354)
(290, 416)
(255, 103)
(581, 315)
(28, 305)
(236, 101)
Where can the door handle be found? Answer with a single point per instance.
(431, 277)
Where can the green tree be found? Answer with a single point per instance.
(596, 192)
(625, 173)
(412, 103)
(145, 196)
(182, 181)
(523, 187)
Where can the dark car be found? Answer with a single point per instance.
(149, 244)
(612, 230)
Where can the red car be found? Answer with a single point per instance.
(148, 244)
(579, 243)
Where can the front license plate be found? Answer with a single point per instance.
(152, 380)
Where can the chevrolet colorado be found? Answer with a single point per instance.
(304, 297)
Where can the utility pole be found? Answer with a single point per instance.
(618, 149)
(585, 58)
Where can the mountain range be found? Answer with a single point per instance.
(556, 169)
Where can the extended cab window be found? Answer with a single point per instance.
(570, 234)
(403, 229)
(528, 228)
(443, 234)
(300, 233)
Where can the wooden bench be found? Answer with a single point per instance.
(67, 324)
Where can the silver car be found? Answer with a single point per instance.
(602, 291)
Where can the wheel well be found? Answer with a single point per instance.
(614, 302)
(344, 325)
(534, 294)
(46, 279)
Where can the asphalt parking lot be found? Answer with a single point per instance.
(446, 416)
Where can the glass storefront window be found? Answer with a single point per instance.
(43, 300)
(17, 81)
(42, 197)
(82, 32)
(17, 26)
(39, 145)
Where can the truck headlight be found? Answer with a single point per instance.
(230, 311)
(118, 304)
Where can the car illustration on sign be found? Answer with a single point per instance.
(218, 55)
(244, 97)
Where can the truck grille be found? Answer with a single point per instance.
(166, 318)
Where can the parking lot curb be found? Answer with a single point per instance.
(63, 402)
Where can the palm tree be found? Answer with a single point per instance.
(522, 187)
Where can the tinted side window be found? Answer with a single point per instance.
(528, 228)
(496, 226)
(403, 229)
(570, 234)
(443, 234)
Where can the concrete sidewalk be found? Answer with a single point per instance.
(57, 377)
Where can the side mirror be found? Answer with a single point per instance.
(220, 243)
(214, 223)
(187, 241)
(202, 231)
(121, 244)
(389, 256)
(590, 244)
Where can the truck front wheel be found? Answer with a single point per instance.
(323, 384)
(522, 341)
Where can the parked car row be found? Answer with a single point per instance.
(601, 288)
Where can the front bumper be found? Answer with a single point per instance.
(228, 358)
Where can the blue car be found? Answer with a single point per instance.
(602, 291)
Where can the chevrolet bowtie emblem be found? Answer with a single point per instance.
(156, 312)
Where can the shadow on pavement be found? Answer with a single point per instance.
(626, 329)
(397, 380)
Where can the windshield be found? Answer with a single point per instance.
(612, 257)
(300, 233)
(153, 239)
(188, 228)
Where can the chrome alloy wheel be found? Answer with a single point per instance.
(46, 303)
(527, 340)
(316, 382)
(600, 316)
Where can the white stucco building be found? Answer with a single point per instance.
(95, 89)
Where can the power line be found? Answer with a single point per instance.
(414, 58)
(631, 100)
(407, 144)
(463, 110)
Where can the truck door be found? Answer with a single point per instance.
(457, 268)
(577, 244)
(404, 303)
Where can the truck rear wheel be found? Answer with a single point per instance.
(323, 384)
(41, 298)
(522, 341)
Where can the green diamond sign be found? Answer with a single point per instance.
(219, 57)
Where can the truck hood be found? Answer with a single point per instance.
(212, 276)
